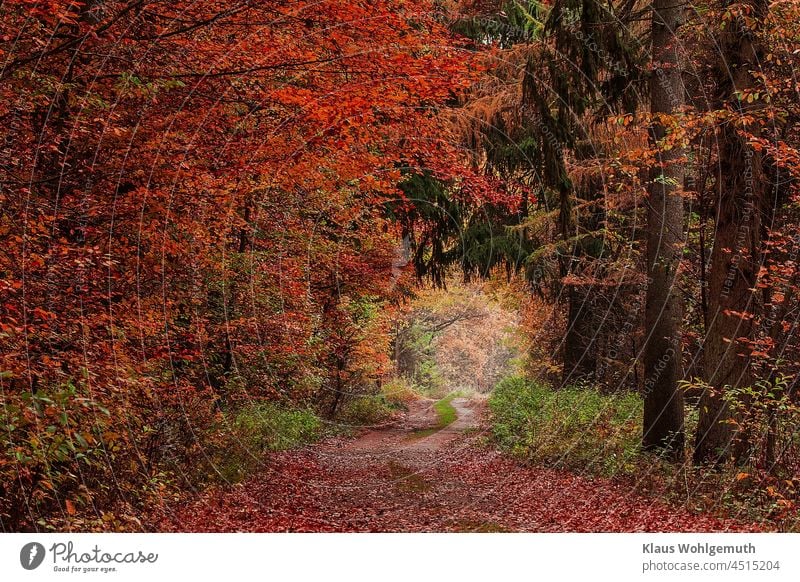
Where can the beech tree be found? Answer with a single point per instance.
(742, 207)
(192, 200)
(663, 401)
(202, 205)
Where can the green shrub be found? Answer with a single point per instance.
(573, 427)
(255, 429)
(268, 427)
(79, 458)
(365, 410)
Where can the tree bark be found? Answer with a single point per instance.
(663, 401)
(736, 255)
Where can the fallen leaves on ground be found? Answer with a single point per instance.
(386, 482)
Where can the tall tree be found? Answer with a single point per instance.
(663, 401)
(190, 198)
(737, 253)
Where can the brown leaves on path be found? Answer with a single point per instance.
(388, 481)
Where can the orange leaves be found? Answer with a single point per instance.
(201, 205)
(51, 11)
(743, 315)
(295, 96)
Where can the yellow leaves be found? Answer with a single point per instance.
(742, 476)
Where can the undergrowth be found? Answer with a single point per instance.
(245, 434)
(582, 429)
(575, 427)
(399, 392)
(366, 410)
(256, 429)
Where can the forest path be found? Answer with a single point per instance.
(403, 478)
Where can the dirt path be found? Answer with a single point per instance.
(393, 479)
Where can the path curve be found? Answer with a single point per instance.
(390, 479)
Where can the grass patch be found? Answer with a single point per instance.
(576, 427)
(255, 429)
(445, 411)
(445, 414)
(580, 428)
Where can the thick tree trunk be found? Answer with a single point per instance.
(736, 255)
(663, 401)
(734, 268)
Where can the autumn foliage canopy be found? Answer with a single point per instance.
(194, 211)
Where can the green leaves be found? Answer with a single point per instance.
(666, 181)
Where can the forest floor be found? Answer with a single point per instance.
(404, 477)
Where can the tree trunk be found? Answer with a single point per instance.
(663, 401)
(736, 255)
(580, 353)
